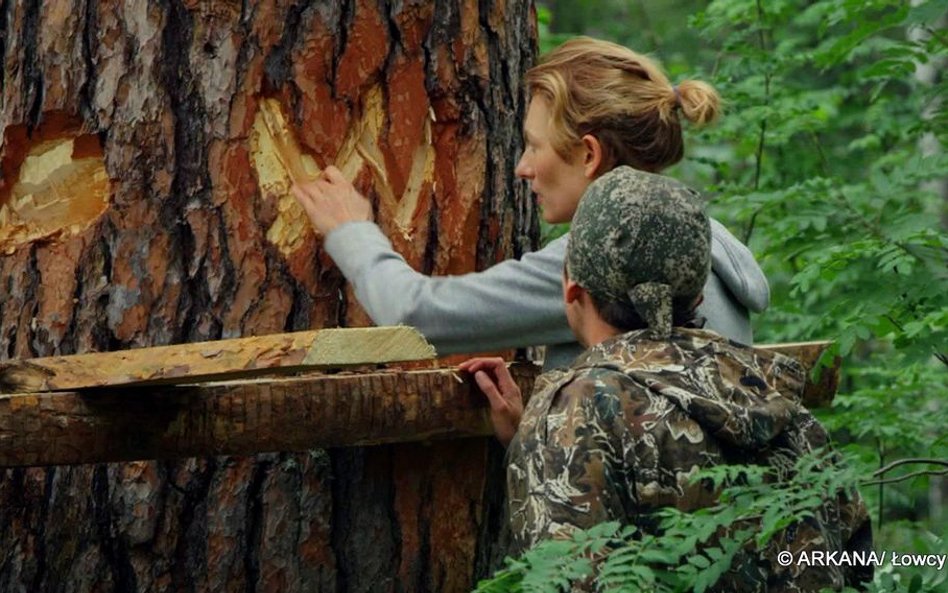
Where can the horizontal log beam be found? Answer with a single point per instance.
(243, 417)
(218, 360)
(270, 414)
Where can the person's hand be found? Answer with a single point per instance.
(506, 403)
(330, 200)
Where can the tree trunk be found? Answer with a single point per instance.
(142, 203)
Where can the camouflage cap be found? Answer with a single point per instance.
(643, 239)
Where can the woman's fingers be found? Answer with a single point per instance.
(330, 200)
(305, 199)
(334, 175)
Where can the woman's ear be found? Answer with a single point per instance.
(592, 156)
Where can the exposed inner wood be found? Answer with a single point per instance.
(60, 189)
(217, 360)
(362, 147)
(279, 162)
(282, 143)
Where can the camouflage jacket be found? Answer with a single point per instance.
(620, 432)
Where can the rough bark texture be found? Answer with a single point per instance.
(140, 205)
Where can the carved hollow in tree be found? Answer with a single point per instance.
(54, 183)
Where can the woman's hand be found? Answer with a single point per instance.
(330, 200)
(506, 402)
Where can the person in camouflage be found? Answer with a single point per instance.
(653, 399)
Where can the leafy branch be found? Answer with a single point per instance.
(913, 461)
(762, 137)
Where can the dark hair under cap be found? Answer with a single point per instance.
(643, 239)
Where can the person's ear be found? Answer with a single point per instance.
(572, 292)
(592, 156)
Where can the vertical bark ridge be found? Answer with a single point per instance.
(494, 533)
(346, 18)
(362, 537)
(40, 533)
(87, 90)
(113, 547)
(92, 334)
(5, 9)
(190, 188)
(28, 313)
(255, 521)
(278, 64)
(190, 570)
(32, 74)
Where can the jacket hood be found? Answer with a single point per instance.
(735, 265)
(741, 395)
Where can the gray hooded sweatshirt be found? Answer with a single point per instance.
(519, 303)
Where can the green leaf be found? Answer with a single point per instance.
(699, 560)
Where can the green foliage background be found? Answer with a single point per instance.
(831, 163)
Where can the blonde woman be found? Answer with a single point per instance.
(595, 106)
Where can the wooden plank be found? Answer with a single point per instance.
(819, 391)
(271, 414)
(219, 360)
(244, 417)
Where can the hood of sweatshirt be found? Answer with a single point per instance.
(735, 265)
(742, 395)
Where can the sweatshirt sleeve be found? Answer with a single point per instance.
(512, 304)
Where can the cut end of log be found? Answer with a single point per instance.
(60, 188)
(23, 378)
(818, 392)
(368, 345)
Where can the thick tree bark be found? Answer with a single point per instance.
(140, 205)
